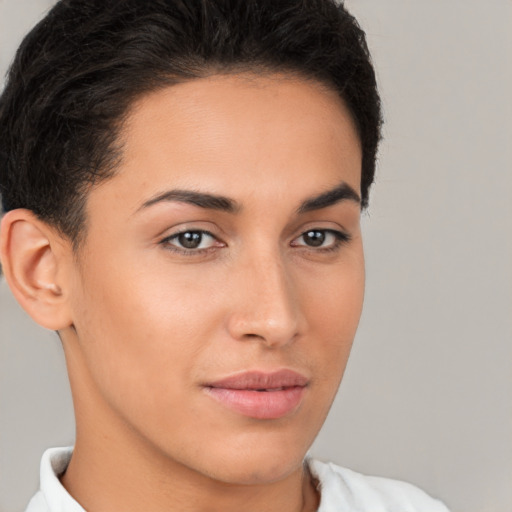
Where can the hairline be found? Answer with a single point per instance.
(163, 81)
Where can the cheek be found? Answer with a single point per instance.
(333, 307)
(139, 336)
(333, 297)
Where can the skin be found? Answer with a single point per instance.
(145, 323)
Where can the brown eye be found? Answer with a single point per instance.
(314, 238)
(190, 239)
(322, 239)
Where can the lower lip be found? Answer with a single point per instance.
(262, 405)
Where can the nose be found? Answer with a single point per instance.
(265, 305)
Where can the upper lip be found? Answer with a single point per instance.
(253, 380)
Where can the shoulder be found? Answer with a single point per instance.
(343, 489)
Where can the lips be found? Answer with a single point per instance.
(260, 395)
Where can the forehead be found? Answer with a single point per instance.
(237, 135)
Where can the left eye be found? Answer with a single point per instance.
(322, 238)
(190, 240)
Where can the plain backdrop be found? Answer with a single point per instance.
(427, 396)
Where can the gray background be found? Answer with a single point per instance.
(428, 393)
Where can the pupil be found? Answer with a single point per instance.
(314, 238)
(190, 240)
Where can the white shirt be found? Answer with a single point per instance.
(341, 490)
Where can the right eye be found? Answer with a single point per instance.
(191, 241)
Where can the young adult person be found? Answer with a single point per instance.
(183, 183)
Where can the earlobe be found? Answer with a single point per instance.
(33, 257)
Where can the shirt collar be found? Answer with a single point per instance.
(53, 464)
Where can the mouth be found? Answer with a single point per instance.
(260, 395)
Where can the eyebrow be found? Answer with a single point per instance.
(201, 199)
(340, 193)
(208, 201)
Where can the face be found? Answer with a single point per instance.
(219, 289)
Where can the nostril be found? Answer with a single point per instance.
(257, 336)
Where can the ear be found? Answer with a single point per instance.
(34, 258)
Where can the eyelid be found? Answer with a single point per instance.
(341, 237)
(166, 242)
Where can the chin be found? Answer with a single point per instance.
(255, 462)
(257, 472)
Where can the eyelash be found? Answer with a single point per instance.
(183, 250)
(341, 239)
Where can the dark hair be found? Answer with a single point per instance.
(78, 71)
